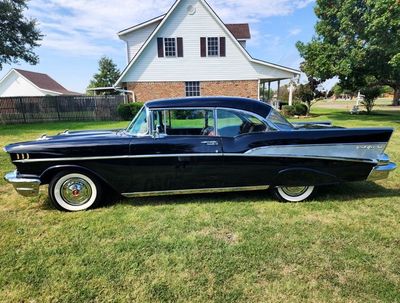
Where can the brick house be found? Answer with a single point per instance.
(190, 52)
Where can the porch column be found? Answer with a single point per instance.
(291, 93)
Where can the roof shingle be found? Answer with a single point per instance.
(43, 81)
(240, 30)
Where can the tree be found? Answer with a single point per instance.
(309, 93)
(18, 35)
(370, 95)
(107, 75)
(355, 40)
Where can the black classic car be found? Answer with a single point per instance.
(198, 145)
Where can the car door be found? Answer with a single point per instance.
(181, 152)
(241, 132)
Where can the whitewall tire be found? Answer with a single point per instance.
(294, 193)
(74, 191)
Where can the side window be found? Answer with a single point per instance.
(182, 122)
(232, 123)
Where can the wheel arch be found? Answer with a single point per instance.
(50, 172)
(304, 177)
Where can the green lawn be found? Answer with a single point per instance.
(344, 246)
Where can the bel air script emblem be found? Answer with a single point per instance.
(369, 147)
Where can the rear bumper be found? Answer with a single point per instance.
(382, 170)
(27, 187)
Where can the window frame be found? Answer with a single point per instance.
(162, 135)
(175, 47)
(217, 45)
(192, 86)
(269, 127)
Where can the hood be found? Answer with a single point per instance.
(88, 137)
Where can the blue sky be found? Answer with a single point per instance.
(77, 33)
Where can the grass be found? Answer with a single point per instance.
(244, 247)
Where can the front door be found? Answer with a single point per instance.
(182, 152)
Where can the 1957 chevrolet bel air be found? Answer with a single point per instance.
(198, 145)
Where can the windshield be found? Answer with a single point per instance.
(277, 119)
(138, 126)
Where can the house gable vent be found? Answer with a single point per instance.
(191, 10)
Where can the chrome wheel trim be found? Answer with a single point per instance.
(76, 191)
(295, 193)
(64, 187)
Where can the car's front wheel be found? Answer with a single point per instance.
(72, 191)
(293, 193)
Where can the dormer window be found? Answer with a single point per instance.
(170, 47)
(213, 46)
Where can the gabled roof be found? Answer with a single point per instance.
(140, 25)
(240, 30)
(220, 22)
(44, 82)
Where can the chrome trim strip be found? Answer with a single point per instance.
(119, 157)
(194, 191)
(247, 154)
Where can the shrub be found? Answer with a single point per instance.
(128, 111)
(288, 110)
(370, 93)
(300, 109)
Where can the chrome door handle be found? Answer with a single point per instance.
(210, 143)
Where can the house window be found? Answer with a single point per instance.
(192, 89)
(170, 47)
(213, 46)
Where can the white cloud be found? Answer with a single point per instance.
(87, 27)
(295, 31)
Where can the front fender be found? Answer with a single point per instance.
(50, 172)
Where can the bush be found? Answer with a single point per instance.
(128, 111)
(300, 109)
(288, 110)
(370, 93)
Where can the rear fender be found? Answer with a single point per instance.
(304, 177)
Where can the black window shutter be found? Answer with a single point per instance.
(222, 47)
(160, 46)
(203, 47)
(180, 46)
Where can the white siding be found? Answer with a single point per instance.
(14, 85)
(192, 67)
(136, 39)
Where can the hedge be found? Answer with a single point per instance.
(128, 111)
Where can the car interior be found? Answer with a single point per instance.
(201, 123)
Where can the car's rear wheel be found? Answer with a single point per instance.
(293, 193)
(73, 191)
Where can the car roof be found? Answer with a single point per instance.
(260, 108)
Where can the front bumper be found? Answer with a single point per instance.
(27, 187)
(382, 169)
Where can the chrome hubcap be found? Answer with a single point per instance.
(76, 191)
(294, 191)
